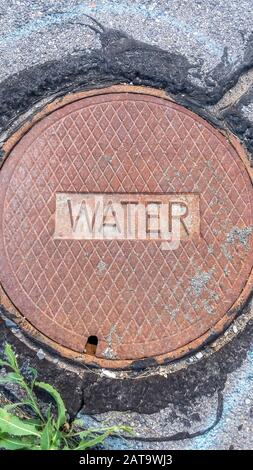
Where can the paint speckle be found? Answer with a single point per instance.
(240, 235)
(200, 280)
(208, 308)
(101, 266)
(109, 353)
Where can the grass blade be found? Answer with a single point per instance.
(45, 440)
(92, 442)
(10, 355)
(11, 377)
(61, 419)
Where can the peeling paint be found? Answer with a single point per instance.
(208, 308)
(101, 266)
(108, 352)
(200, 281)
(240, 235)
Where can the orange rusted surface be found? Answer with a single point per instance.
(141, 295)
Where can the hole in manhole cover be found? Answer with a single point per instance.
(126, 227)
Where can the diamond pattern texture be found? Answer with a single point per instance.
(145, 301)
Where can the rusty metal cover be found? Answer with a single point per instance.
(76, 271)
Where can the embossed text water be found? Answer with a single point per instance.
(115, 216)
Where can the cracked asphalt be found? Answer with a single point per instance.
(35, 32)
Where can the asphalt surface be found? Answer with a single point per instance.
(41, 30)
(38, 31)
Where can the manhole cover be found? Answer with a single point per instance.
(126, 226)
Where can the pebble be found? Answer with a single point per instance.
(199, 355)
(109, 373)
(9, 323)
(40, 354)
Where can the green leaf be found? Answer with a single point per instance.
(92, 442)
(34, 374)
(12, 406)
(48, 411)
(32, 371)
(61, 419)
(36, 422)
(15, 426)
(57, 440)
(12, 443)
(9, 353)
(11, 377)
(45, 440)
(99, 430)
(120, 429)
(4, 363)
(85, 434)
(77, 422)
(26, 403)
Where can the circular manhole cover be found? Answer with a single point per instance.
(126, 226)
